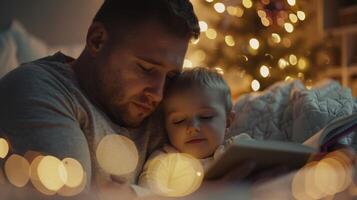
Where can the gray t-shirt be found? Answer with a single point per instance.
(42, 108)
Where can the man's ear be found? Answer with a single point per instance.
(96, 38)
(230, 119)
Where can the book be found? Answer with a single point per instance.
(266, 153)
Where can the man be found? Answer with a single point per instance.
(64, 107)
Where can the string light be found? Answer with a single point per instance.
(302, 64)
(264, 71)
(282, 63)
(276, 37)
(247, 3)
(199, 55)
(265, 21)
(209, 1)
(203, 26)
(293, 18)
(219, 7)
(255, 85)
(229, 40)
(17, 170)
(293, 59)
(289, 27)
(262, 13)
(291, 2)
(211, 33)
(301, 15)
(4, 148)
(254, 43)
(219, 70)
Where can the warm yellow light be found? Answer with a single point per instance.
(199, 55)
(247, 3)
(4, 148)
(219, 7)
(209, 1)
(262, 13)
(265, 21)
(203, 26)
(301, 75)
(240, 11)
(293, 18)
(255, 85)
(75, 172)
(254, 43)
(232, 10)
(291, 2)
(219, 70)
(293, 59)
(52, 173)
(276, 37)
(211, 33)
(283, 63)
(289, 27)
(301, 15)
(264, 71)
(229, 40)
(72, 191)
(302, 64)
(35, 179)
(289, 78)
(117, 146)
(187, 64)
(17, 170)
(174, 174)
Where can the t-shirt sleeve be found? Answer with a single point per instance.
(37, 114)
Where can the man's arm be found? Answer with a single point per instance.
(36, 115)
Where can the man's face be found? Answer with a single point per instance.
(130, 76)
(196, 121)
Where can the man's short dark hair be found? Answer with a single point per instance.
(176, 16)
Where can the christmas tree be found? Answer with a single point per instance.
(256, 39)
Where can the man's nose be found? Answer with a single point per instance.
(155, 89)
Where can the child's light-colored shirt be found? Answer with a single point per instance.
(169, 170)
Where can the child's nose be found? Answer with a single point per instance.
(193, 126)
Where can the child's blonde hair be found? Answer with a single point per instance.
(201, 77)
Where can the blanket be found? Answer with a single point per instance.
(287, 111)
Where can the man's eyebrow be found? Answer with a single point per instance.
(150, 61)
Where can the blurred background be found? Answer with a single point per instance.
(253, 43)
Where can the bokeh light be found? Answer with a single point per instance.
(254, 43)
(4, 148)
(75, 172)
(282, 63)
(17, 170)
(247, 3)
(229, 40)
(187, 64)
(117, 154)
(52, 173)
(35, 179)
(293, 59)
(276, 37)
(219, 7)
(291, 2)
(203, 26)
(289, 27)
(255, 85)
(211, 33)
(293, 18)
(174, 174)
(302, 64)
(264, 71)
(301, 15)
(219, 70)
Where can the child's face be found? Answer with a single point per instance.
(196, 121)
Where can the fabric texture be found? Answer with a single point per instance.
(287, 111)
(43, 109)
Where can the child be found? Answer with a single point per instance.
(198, 112)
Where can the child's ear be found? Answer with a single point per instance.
(230, 119)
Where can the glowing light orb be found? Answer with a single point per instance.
(264, 71)
(75, 172)
(247, 3)
(211, 33)
(52, 173)
(35, 179)
(229, 40)
(254, 43)
(187, 64)
(293, 18)
(117, 154)
(174, 174)
(219, 7)
(17, 170)
(4, 148)
(302, 64)
(293, 59)
(301, 15)
(203, 26)
(276, 37)
(291, 2)
(289, 27)
(255, 85)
